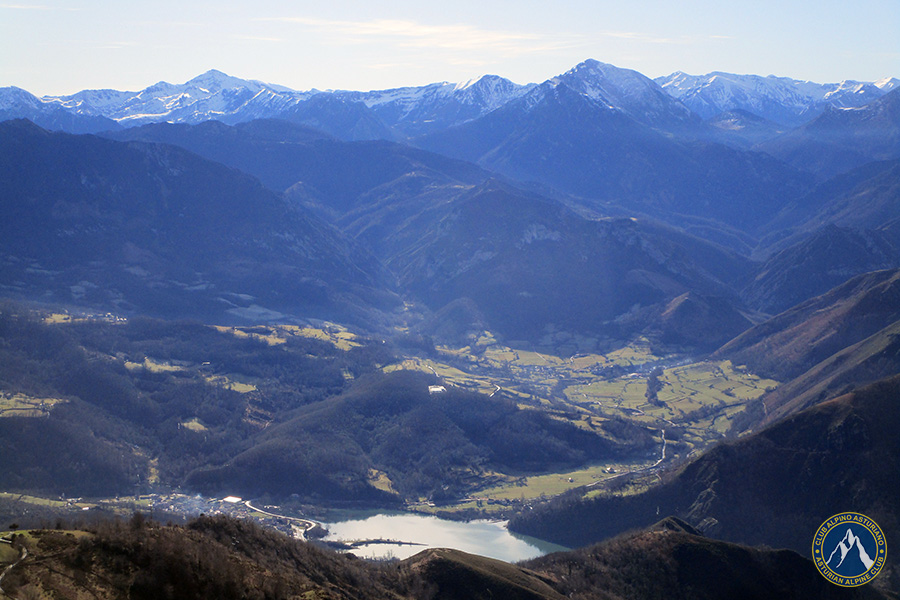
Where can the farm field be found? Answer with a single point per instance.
(21, 405)
(697, 401)
(651, 410)
(335, 334)
(701, 396)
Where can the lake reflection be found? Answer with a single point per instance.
(417, 532)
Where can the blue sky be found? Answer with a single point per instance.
(59, 47)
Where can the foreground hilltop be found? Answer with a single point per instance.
(216, 557)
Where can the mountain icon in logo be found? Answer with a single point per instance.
(845, 546)
(849, 549)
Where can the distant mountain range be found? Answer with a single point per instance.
(215, 95)
(574, 203)
(780, 99)
(578, 143)
(451, 230)
(597, 131)
(412, 111)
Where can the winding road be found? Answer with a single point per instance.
(11, 567)
(307, 523)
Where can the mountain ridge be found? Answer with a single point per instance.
(416, 110)
(789, 102)
(124, 225)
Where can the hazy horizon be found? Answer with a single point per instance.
(60, 47)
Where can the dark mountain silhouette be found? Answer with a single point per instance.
(218, 557)
(672, 560)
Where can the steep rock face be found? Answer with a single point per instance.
(154, 227)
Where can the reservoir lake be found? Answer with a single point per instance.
(400, 536)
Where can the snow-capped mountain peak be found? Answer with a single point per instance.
(887, 84)
(601, 80)
(665, 103)
(625, 90)
(417, 110)
(211, 95)
(214, 81)
(464, 85)
(12, 98)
